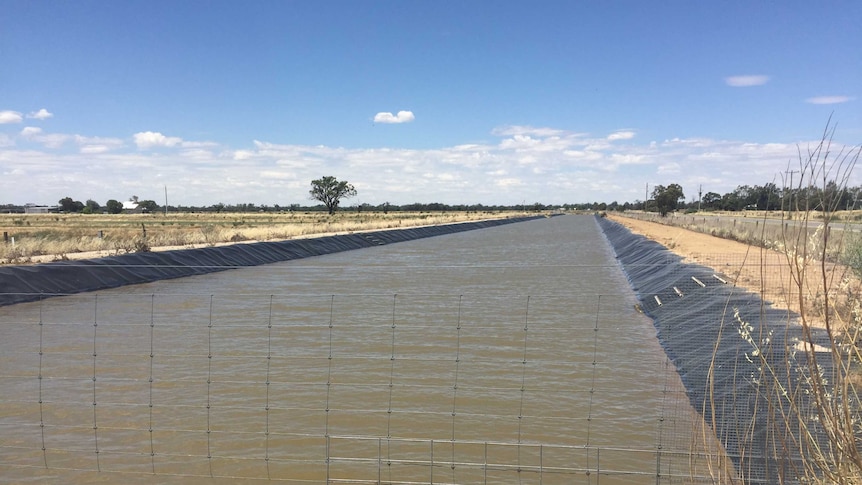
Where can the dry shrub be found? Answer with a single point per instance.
(810, 405)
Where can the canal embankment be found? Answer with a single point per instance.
(33, 282)
(723, 341)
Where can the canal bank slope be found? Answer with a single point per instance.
(33, 282)
(720, 338)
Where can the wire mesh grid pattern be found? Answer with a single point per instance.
(346, 389)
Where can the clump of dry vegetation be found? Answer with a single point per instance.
(804, 383)
(51, 237)
(808, 381)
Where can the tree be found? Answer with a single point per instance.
(330, 191)
(711, 200)
(69, 205)
(148, 205)
(766, 197)
(114, 206)
(667, 198)
(743, 197)
(92, 206)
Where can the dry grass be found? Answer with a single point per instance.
(807, 416)
(785, 232)
(821, 403)
(51, 237)
(779, 248)
(808, 383)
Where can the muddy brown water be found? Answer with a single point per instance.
(504, 355)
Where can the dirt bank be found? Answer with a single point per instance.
(758, 270)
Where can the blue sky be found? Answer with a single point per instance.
(475, 102)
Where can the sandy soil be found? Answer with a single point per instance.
(762, 271)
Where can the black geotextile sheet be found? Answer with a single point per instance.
(32, 282)
(698, 319)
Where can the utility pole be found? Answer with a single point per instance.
(699, 196)
(646, 195)
(166, 200)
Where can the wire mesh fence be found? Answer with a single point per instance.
(366, 388)
(504, 360)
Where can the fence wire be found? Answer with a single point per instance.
(350, 388)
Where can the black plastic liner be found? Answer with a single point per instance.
(29, 283)
(697, 317)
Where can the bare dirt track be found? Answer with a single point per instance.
(758, 270)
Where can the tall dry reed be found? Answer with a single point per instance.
(807, 416)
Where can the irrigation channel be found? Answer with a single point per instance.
(511, 354)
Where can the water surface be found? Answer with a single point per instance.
(505, 355)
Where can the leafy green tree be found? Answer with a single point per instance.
(711, 200)
(148, 205)
(767, 197)
(330, 191)
(69, 205)
(114, 206)
(667, 198)
(91, 207)
(731, 202)
(742, 197)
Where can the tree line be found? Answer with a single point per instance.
(112, 206)
(771, 197)
(663, 199)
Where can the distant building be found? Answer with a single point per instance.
(130, 206)
(39, 209)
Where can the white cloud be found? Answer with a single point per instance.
(7, 117)
(544, 140)
(401, 117)
(198, 154)
(97, 144)
(50, 140)
(243, 154)
(829, 99)
(93, 149)
(199, 144)
(274, 174)
(53, 140)
(746, 80)
(587, 155)
(515, 130)
(519, 142)
(537, 164)
(30, 131)
(671, 168)
(621, 135)
(150, 139)
(42, 114)
(629, 159)
(508, 182)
